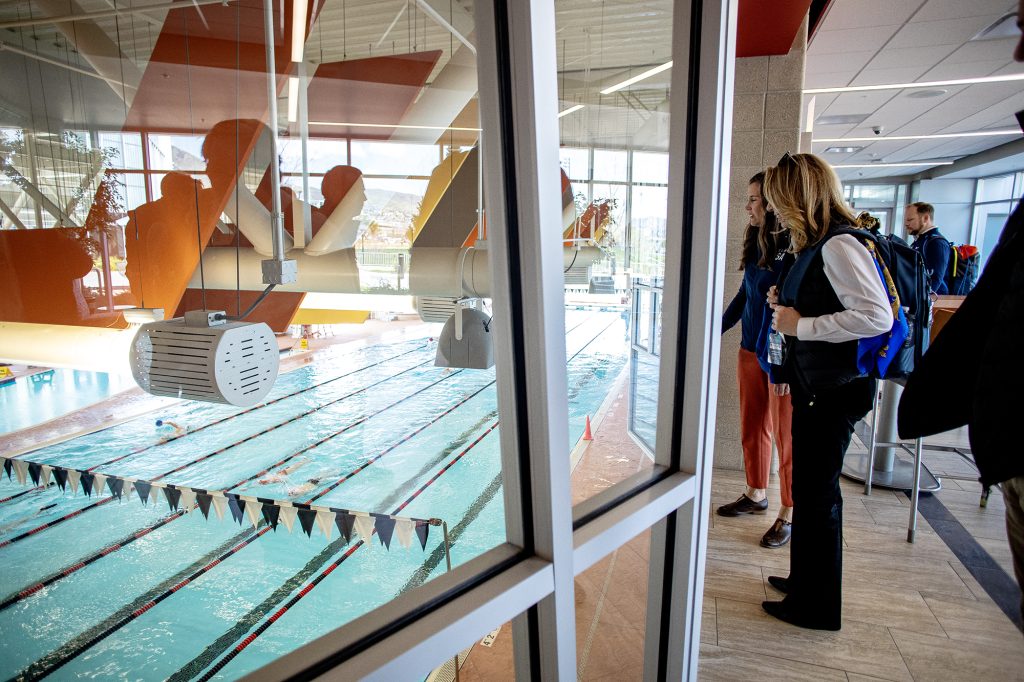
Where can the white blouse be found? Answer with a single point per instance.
(851, 271)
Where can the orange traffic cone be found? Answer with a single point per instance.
(586, 432)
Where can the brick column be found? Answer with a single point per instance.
(766, 124)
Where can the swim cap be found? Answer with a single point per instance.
(159, 422)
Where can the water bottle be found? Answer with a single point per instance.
(776, 348)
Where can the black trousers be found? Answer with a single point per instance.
(822, 427)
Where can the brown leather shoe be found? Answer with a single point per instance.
(743, 505)
(778, 535)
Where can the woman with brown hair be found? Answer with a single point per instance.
(765, 408)
(831, 297)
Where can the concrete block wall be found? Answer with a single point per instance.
(766, 125)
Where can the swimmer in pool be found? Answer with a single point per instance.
(309, 485)
(281, 476)
(162, 425)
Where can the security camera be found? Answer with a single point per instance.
(877, 130)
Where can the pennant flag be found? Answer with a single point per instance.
(74, 476)
(44, 474)
(87, 481)
(61, 476)
(204, 500)
(385, 528)
(271, 512)
(20, 470)
(173, 496)
(422, 531)
(237, 507)
(33, 472)
(116, 486)
(143, 489)
(98, 482)
(188, 499)
(7, 468)
(129, 487)
(364, 526)
(154, 492)
(252, 510)
(344, 521)
(220, 504)
(307, 517)
(403, 532)
(324, 519)
(288, 516)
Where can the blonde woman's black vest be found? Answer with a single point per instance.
(816, 366)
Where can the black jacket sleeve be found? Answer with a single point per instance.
(936, 258)
(734, 311)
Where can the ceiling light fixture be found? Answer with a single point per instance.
(389, 125)
(842, 150)
(936, 136)
(293, 99)
(298, 29)
(929, 84)
(570, 110)
(892, 165)
(636, 79)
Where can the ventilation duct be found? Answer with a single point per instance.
(204, 357)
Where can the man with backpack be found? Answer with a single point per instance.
(918, 218)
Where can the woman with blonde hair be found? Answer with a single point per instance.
(831, 297)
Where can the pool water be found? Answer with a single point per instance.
(325, 421)
(36, 398)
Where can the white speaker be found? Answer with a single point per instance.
(204, 357)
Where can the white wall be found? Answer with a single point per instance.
(953, 199)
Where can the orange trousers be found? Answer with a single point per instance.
(763, 414)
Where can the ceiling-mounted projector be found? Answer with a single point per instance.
(203, 356)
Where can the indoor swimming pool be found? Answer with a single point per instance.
(39, 397)
(102, 587)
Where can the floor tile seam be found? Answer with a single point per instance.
(763, 656)
(888, 631)
(596, 620)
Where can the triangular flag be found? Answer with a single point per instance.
(220, 504)
(98, 482)
(74, 476)
(20, 470)
(7, 468)
(87, 480)
(288, 516)
(154, 492)
(44, 475)
(252, 510)
(204, 500)
(364, 526)
(129, 488)
(271, 512)
(307, 517)
(173, 496)
(188, 499)
(422, 531)
(236, 506)
(385, 527)
(61, 476)
(344, 521)
(143, 488)
(325, 521)
(33, 472)
(116, 486)
(403, 532)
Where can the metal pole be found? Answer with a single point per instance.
(915, 493)
(307, 219)
(107, 279)
(276, 217)
(448, 561)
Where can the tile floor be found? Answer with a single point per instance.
(910, 611)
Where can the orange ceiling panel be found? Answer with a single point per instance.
(768, 27)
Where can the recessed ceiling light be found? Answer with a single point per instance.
(936, 136)
(570, 110)
(925, 94)
(928, 84)
(842, 150)
(841, 119)
(892, 165)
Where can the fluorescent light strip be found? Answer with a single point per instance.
(636, 79)
(293, 99)
(298, 29)
(892, 165)
(929, 84)
(570, 110)
(937, 136)
(389, 125)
